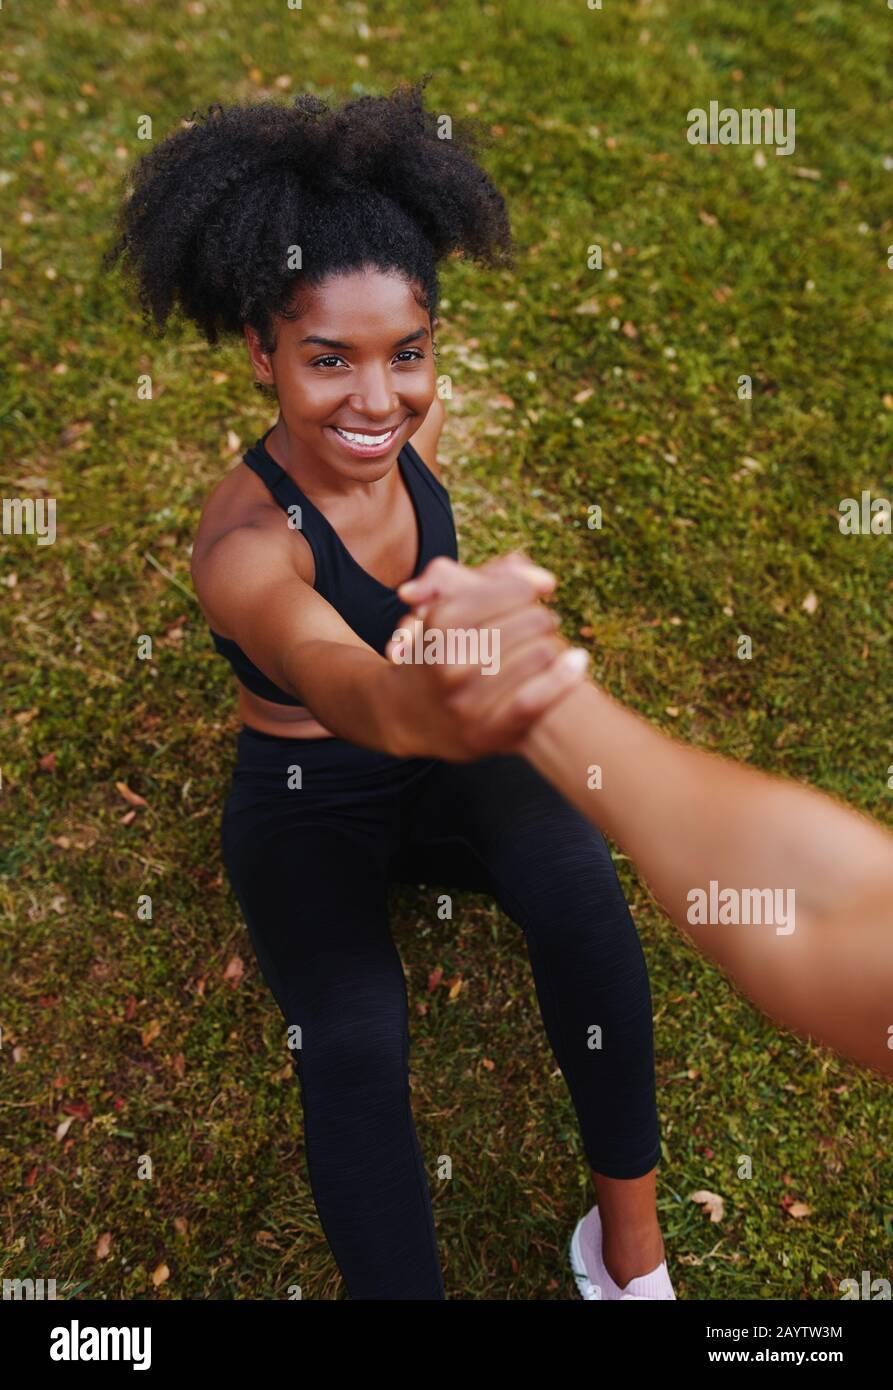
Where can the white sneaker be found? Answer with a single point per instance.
(592, 1278)
(585, 1285)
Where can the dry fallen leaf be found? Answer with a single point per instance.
(234, 971)
(710, 1202)
(63, 1128)
(104, 1246)
(74, 431)
(132, 798)
(150, 1032)
(161, 1275)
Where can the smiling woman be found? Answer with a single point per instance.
(349, 775)
(361, 526)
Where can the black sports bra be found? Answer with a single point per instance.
(371, 608)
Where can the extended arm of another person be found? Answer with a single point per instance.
(823, 964)
(689, 819)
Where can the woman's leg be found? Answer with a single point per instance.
(313, 894)
(551, 872)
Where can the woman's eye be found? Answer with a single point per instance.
(408, 355)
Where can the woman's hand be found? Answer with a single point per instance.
(481, 655)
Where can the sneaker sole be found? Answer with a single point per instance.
(585, 1286)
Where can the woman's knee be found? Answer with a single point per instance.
(563, 876)
(358, 1048)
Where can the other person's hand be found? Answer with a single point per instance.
(484, 656)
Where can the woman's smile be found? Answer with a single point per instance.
(366, 443)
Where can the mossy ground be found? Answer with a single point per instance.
(713, 267)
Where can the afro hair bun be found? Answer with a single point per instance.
(212, 217)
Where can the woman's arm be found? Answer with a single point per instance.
(246, 582)
(689, 819)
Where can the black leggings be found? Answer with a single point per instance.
(313, 832)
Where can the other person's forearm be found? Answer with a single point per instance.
(684, 814)
(689, 819)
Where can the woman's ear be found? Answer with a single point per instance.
(260, 360)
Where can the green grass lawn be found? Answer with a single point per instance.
(572, 387)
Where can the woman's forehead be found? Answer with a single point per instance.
(363, 303)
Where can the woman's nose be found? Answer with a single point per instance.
(375, 395)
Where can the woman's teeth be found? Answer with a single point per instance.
(368, 439)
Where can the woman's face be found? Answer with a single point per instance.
(359, 360)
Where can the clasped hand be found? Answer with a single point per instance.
(482, 654)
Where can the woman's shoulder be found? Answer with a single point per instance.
(241, 500)
(427, 437)
(238, 498)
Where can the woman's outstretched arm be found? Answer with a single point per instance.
(788, 890)
(248, 586)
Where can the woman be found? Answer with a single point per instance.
(317, 233)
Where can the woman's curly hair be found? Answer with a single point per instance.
(213, 214)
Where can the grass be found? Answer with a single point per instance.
(571, 388)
